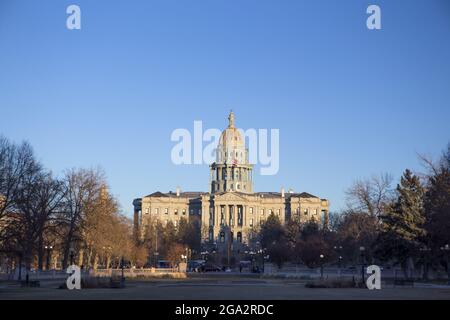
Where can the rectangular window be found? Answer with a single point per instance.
(251, 210)
(278, 211)
(184, 212)
(156, 210)
(166, 210)
(251, 222)
(262, 211)
(175, 212)
(305, 211)
(211, 235)
(270, 212)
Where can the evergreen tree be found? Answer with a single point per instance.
(437, 210)
(271, 231)
(403, 223)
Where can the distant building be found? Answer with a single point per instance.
(231, 210)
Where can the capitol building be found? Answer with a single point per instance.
(231, 211)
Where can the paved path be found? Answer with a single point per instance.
(222, 289)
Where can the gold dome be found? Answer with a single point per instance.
(231, 138)
(231, 147)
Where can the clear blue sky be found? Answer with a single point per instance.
(349, 102)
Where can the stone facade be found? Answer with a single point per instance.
(230, 211)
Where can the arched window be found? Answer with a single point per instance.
(239, 237)
(222, 236)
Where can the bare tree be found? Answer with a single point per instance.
(37, 200)
(16, 162)
(370, 195)
(19, 174)
(82, 188)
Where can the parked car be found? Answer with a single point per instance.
(196, 265)
(207, 267)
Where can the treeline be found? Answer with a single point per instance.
(47, 221)
(408, 226)
(168, 242)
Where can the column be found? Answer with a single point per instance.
(216, 215)
(227, 213)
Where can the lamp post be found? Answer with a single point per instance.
(321, 265)
(185, 259)
(338, 250)
(362, 250)
(49, 249)
(72, 251)
(261, 252)
(122, 265)
(20, 266)
(446, 249)
(156, 254)
(425, 253)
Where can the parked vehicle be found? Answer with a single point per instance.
(164, 264)
(196, 265)
(207, 267)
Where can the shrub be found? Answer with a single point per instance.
(332, 283)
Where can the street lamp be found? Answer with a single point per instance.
(183, 257)
(321, 265)
(446, 250)
(156, 254)
(425, 255)
(49, 249)
(261, 252)
(122, 265)
(72, 252)
(362, 250)
(338, 250)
